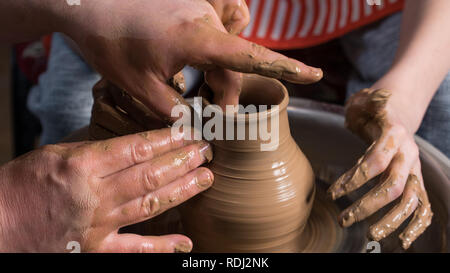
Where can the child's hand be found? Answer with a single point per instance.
(393, 154)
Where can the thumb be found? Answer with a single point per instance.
(234, 14)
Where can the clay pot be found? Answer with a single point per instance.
(260, 200)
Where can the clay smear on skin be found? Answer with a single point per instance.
(369, 118)
(420, 221)
(178, 83)
(368, 123)
(316, 236)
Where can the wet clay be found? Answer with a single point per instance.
(321, 233)
(178, 82)
(420, 221)
(282, 68)
(260, 200)
(366, 117)
(116, 113)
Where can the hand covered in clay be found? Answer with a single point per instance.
(139, 45)
(86, 191)
(395, 156)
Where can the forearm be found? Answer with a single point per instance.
(3, 208)
(422, 59)
(22, 20)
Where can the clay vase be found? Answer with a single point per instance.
(260, 200)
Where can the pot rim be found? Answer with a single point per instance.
(282, 106)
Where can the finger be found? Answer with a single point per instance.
(133, 243)
(423, 214)
(161, 98)
(135, 109)
(374, 162)
(397, 215)
(238, 20)
(234, 14)
(155, 203)
(115, 154)
(101, 88)
(107, 116)
(151, 175)
(234, 53)
(226, 86)
(178, 83)
(387, 191)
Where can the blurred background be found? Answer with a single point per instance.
(20, 66)
(6, 129)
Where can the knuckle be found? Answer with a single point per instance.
(146, 247)
(380, 161)
(190, 27)
(245, 21)
(396, 189)
(257, 50)
(150, 206)
(152, 179)
(50, 148)
(413, 149)
(140, 152)
(398, 131)
(74, 163)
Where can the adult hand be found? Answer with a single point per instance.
(394, 154)
(86, 191)
(234, 14)
(226, 84)
(138, 45)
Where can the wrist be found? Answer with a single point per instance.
(70, 17)
(407, 104)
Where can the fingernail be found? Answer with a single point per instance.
(336, 190)
(183, 247)
(335, 193)
(347, 219)
(317, 72)
(204, 179)
(377, 233)
(406, 241)
(206, 151)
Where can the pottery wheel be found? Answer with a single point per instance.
(322, 232)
